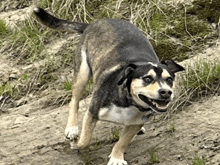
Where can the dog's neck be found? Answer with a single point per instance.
(125, 91)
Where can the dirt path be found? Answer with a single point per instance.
(31, 136)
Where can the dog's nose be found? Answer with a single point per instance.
(165, 94)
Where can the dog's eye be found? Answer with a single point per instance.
(148, 79)
(169, 80)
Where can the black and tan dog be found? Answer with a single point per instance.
(130, 82)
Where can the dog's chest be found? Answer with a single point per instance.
(123, 115)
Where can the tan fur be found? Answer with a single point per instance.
(151, 73)
(120, 147)
(165, 74)
(78, 88)
(89, 123)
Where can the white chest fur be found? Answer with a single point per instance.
(126, 116)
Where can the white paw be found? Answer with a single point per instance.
(114, 161)
(72, 133)
(143, 129)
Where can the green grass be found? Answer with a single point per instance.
(153, 157)
(115, 134)
(199, 161)
(202, 79)
(28, 41)
(3, 28)
(206, 9)
(9, 90)
(68, 85)
(172, 30)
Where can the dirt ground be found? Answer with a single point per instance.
(32, 135)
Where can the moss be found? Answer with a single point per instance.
(199, 161)
(206, 10)
(189, 27)
(9, 90)
(167, 49)
(3, 27)
(158, 21)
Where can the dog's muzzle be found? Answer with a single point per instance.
(159, 105)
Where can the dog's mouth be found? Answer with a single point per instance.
(156, 105)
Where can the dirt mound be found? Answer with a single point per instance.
(38, 138)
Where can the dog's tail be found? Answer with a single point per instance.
(58, 24)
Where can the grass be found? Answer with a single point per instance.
(171, 128)
(170, 26)
(206, 10)
(8, 89)
(199, 161)
(115, 134)
(201, 79)
(204, 77)
(3, 28)
(153, 157)
(68, 85)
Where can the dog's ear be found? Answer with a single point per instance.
(125, 73)
(173, 66)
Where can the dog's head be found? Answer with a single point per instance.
(149, 84)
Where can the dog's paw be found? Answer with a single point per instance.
(115, 161)
(142, 131)
(72, 133)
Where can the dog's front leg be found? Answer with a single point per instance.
(117, 155)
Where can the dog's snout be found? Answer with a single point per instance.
(165, 94)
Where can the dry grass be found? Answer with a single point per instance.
(200, 80)
(164, 22)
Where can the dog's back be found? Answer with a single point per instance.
(111, 42)
(108, 42)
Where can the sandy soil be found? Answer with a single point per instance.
(32, 135)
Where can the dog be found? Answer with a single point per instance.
(129, 81)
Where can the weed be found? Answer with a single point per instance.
(25, 77)
(27, 42)
(199, 161)
(200, 80)
(206, 10)
(86, 157)
(9, 89)
(3, 27)
(68, 85)
(153, 157)
(203, 77)
(115, 134)
(171, 128)
(169, 27)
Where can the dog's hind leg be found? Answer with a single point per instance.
(88, 125)
(117, 155)
(84, 74)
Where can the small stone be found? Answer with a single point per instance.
(179, 157)
(40, 147)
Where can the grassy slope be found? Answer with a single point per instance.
(175, 29)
